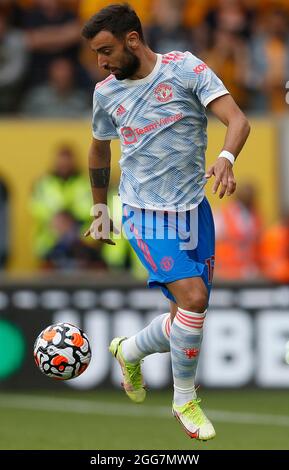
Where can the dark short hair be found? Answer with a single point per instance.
(118, 19)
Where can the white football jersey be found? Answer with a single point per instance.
(161, 123)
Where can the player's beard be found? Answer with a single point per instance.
(130, 66)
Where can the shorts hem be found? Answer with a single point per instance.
(155, 282)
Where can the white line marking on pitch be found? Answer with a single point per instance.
(69, 405)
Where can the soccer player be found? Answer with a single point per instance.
(156, 105)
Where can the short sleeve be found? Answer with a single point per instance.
(203, 82)
(102, 124)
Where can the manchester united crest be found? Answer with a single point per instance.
(167, 263)
(163, 92)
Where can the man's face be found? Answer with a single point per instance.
(114, 56)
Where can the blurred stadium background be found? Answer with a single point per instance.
(49, 273)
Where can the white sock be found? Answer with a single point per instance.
(182, 396)
(154, 338)
(185, 342)
(130, 351)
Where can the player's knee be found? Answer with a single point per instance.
(194, 302)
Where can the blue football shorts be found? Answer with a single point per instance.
(172, 245)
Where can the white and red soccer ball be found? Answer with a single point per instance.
(62, 351)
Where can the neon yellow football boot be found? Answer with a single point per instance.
(194, 421)
(132, 377)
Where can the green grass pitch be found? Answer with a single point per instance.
(102, 420)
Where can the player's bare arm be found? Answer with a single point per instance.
(238, 129)
(99, 173)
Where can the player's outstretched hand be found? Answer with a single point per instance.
(223, 172)
(101, 229)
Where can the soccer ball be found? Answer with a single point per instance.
(62, 351)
